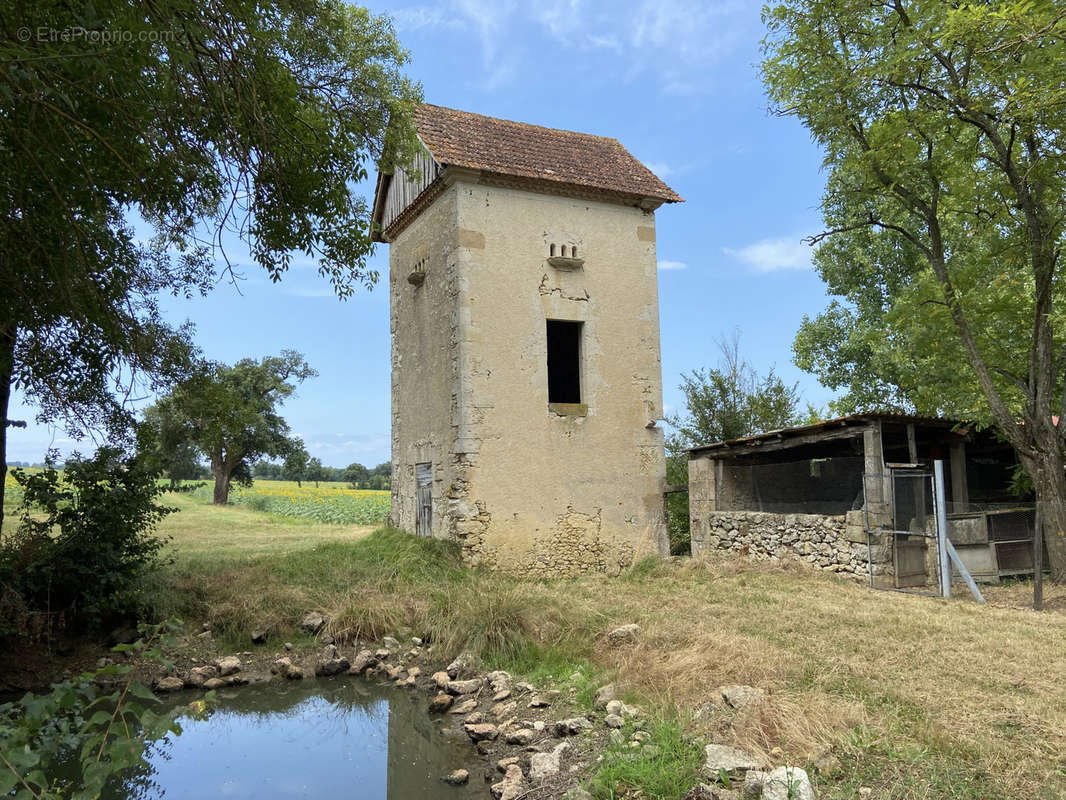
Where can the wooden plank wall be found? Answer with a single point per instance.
(406, 185)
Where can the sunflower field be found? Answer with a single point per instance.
(334, 504)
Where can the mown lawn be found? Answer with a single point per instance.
(913, 697)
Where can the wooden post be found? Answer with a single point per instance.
(960, 488)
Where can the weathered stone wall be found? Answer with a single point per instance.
(424, 326)
(521, 486)
(833, 543)
(547, 493)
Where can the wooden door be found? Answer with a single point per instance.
(910, 561)
(424, 499)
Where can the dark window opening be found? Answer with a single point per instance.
(564, 361)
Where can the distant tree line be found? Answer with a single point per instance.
(299, 467)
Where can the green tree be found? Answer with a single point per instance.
(315, 471)
(728, 402)
(943, 130)
(231, 413)
(294, 467)
(207, 122)
(356, 475)
(162, 442)
(267, 470)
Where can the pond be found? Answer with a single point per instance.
(325, 738)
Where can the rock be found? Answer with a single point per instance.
(521, 737)
(391, 643)
(169, 684)
(723, 757)
(543, 700)
(604, 695)
(613, 721)
(441, 678)
(785, 783)
(577, 793)
(228, 665)
(464, 664)
(465, 707)
(572, 726)
(524, 687)
(739, 696)
(474, 718)
(214, 683)
(205, 636)
(416, 641)
(381, 654)
(312, 622)
(501, 710)
(441, 703)
(624, 634)
(512, 786)
(504, 763)
(616, 737)
(501, 695)
(701, 791)
(546, 765)
(479, 732)
(331, 662)
(288, 646)
(456, 777)
(463, 687)
(614, 707)
(414, 672)
(364, 660)
(865, 793)
(327, 639)
(286, 669)
(261, 634)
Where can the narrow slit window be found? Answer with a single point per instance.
(564, 361)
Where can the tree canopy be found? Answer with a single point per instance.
(942, 126)
(231, 414)
(204, 122)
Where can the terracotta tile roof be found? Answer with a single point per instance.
(460, 138)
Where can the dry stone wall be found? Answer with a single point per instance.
(833, 543)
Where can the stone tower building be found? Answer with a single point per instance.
(526, 382)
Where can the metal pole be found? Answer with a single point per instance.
(942, 527)
(1038, 561)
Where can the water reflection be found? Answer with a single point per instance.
(311, 739)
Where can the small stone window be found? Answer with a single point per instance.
(418, 274)
(564, 367)
(563, 254)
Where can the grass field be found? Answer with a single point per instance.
(913, 697)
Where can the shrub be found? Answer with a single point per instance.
(84, 542)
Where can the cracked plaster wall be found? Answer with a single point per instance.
(522, 488)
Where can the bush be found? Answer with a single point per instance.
(84, 543)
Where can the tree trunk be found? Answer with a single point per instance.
(7, 368)
(1049, 479)
(221, 472)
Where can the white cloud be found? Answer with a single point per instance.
(667, 265)
(677, 40)
(771, 255)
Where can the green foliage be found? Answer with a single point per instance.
(728, 402)
(102, 733)
(85, 541)
(294, 467)
(356, 475)
(249, 122)
(943, 130)
(230, 414)
(665, 767)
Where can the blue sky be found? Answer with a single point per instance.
(678, 84)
